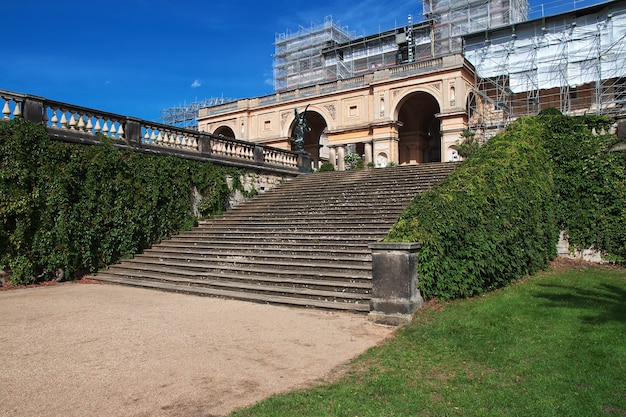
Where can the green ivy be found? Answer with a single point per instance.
(497, 217)
(69, 209)
(590, 181)
(490, 222)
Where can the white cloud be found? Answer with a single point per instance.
(196, 84)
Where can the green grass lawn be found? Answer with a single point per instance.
(552, 345)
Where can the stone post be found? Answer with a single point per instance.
(341, 164)
(32, 110)
(259, 156)
(132, 130)
(304, 162)
(395, 291)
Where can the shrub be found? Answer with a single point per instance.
(326, 166)
(469, 145)
(490, 222)
(353, 161)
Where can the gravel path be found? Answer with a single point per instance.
(87, 350)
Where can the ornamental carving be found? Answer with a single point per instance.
(331, 110)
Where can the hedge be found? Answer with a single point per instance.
(69, 209)
(490, 222)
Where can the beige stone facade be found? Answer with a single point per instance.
(408, 114)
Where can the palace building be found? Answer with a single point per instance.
(406, 95)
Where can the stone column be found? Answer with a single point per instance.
(341, 164)
(368, 153)
(395, 291)
(332, 157)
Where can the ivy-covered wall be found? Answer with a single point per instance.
(590, 182)
(497, 217)
(490, 222)
(68, 209)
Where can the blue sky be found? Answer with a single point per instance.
(137, 57)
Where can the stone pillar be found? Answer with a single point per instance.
(32, 110)
(132, 130)
(395, 291)
(368, 153)
(341, 164)
(332, 157)
(304, 162)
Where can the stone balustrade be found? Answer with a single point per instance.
(79, 124)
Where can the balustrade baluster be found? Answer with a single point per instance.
(105, 127)
(72, 123)
(97, 127)
(17, 111)
(112, 131)
(81, 123)
(54, 120)
(120, 130)
(146, 136)
(6, 109)
(63, 120)
(89, 125)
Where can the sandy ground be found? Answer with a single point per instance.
(87, 350)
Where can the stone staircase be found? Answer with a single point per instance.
(304, 243)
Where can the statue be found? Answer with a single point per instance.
(301, 129)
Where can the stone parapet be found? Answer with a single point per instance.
(395, 291)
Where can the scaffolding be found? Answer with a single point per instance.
(328, 52)
(385, 49)
(186, 115)
(298, 59)
(573, 62)
(454, 18)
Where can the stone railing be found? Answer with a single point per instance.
(417, 66)
(79, 124)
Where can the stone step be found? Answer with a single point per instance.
(309, 244)
(360, 306)
(306, 238)
(254, 230)
(234, 280)
(261, 268)
(319, 248)
(339, 217)
(165, 253)
(329, 208)
(304, 243)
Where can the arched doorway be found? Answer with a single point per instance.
(419, 129)
(315, 141)
(225, 131)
